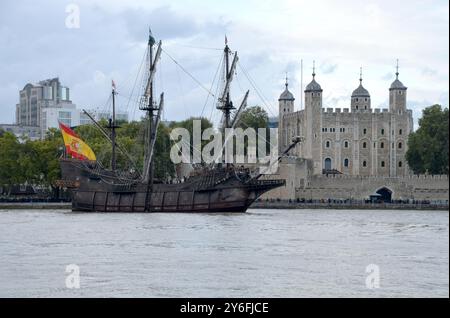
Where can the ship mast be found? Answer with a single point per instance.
(224, 102)
(112, 126)
(150, 107)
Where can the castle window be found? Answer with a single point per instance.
(356, 99)
(382, 131)
(346, 144)
(364, 131)
(364, 163)
(399, 145)
(356, 107)
(345, 162)
(364, 145)
(400, 132)
(327, 144)
(365, 99)
(382, 145)
(382, 163)
(399, 164)
(365, 107)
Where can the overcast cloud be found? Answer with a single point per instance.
(271, 38)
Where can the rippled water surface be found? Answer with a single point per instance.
(270, 253)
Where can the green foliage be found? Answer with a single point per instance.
(255, 117)
(428, 146)
(34, 162)
(189, 124)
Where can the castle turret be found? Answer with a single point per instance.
(285, 106)
(397, 95)
(360, 97)
(313, 121)
(286, 101)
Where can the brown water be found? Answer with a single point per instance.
(262, 253)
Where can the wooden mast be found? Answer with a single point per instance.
(225, 104)
(112, 126)
(150, 106)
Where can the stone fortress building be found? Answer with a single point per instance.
(357, 141)
(355, 153)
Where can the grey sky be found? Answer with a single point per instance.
(270, 36)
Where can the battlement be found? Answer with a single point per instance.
(330, 110)
(443, 177)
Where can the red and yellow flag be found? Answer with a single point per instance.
(76, 147)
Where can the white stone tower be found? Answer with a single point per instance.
(401, 126)
(313, 123)
(397, 95)
(285, 106)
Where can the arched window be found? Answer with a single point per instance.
(345, 162)
(345, 144)
(364, 145)
(382, 163)
(400, 131)
(327, 144)
(400, 164)
(399, 145)
(364, 131)
(382, 131)
(364, 163)
(382, 145)
(356, 107)
(327, 164)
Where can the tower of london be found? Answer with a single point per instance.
(355, 141)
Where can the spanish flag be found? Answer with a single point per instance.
(76, 147)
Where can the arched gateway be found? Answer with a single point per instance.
(385, 193)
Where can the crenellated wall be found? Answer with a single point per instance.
(301, 183)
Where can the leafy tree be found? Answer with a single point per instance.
(189, 124)
(428, 146)
(10, 158)
(255, 117)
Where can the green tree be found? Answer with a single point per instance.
(189, 124)
(10, 160)
(428, 146)
(255, 117)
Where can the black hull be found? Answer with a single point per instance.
(98, 190)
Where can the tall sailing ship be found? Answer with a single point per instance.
(220, 187)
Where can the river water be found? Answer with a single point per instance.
(261, 253)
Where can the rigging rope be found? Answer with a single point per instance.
(189, 74)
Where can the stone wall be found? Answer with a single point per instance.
(301, 183)
(353, 187)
